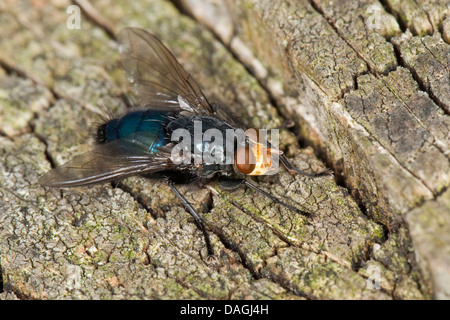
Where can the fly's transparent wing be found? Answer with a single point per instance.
(157, 78)
(107, 162)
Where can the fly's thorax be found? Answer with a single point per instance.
(200, 140)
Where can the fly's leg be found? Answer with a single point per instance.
(275, 199)
(230, 184)
(292, 170)
(197, 218)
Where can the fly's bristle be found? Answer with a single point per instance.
(107, 114)
(129, 101)
(100, 133)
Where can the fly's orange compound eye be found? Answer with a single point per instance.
(245, 160)
(256, 158)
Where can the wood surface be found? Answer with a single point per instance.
(366, 84)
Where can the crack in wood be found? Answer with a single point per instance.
(416, 177)
(387, 7)
(227, 243)
(56, 94)
(231, 245)
(410, 111)
(332, 24)
(323, 158)
(420, 82)
(427, 14)
(290, 242)
(136, 196)
(93, 15)
(11, 68)
(400, 61)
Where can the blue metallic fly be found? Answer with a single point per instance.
(139, 142)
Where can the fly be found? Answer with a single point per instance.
(141, 141)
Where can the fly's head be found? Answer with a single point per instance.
(256, 156)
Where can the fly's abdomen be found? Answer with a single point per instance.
(144, 126)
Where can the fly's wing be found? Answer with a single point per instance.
(107, 162)
(158, 80)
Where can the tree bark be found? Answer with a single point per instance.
(371, 101)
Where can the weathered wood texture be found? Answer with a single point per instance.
(372, 103)
(369, 83)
